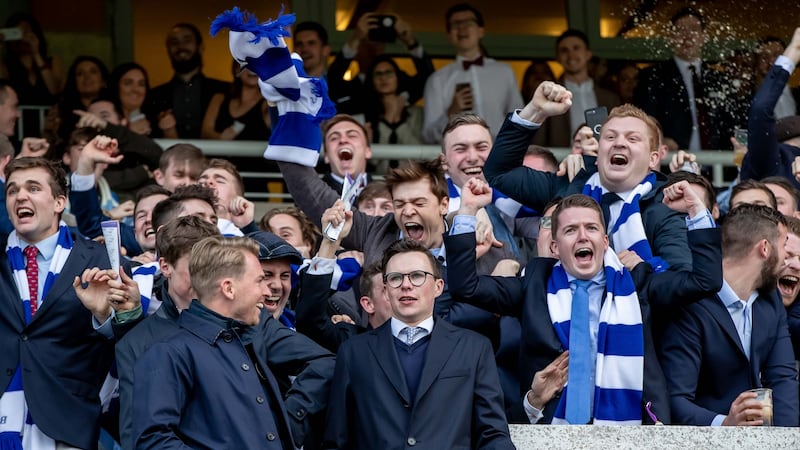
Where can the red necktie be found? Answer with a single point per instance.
(477, 62)
(32, 270)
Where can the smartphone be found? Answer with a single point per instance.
(462, 86)
(135, 116)
(385, 31)
(595, 118)
(11, 34)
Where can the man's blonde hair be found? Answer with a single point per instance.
(653, 127)
(215, 258)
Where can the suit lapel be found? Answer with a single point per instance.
(440, 348)
(382, 347)
(723, 318)
(759, 332)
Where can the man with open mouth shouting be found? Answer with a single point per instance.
(628, 191)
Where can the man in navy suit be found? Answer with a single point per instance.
(51, 347)
(580, 241)
(415, 380)
(719, 348)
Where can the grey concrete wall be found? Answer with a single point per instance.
(555, 437)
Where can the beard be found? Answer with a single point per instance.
(770, 272)
(186, 66)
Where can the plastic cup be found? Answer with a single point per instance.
(764, 395)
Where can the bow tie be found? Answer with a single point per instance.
(477, 62)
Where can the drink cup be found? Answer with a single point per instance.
(764, 395)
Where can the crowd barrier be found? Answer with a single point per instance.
(569, 437)
(717, 159)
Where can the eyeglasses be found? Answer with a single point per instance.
(546, 222)
(416, 277)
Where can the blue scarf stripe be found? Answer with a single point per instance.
(626, 404)
(502, 202)
(619, 282)
(562, 331)
(286, 132)
(625, 343)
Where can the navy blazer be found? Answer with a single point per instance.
(458, 403)
(64, 360)
(706, 366)
(526, 298)
(662, 93)
(766, 156)
(665, 229)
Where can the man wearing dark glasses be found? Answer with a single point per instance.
(416, 379)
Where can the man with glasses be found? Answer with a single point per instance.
(416, 379)
(473, 82)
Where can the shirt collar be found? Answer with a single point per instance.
(598, 278)
(46, 247)
(398, 325)
(728, 297)
(684, 64)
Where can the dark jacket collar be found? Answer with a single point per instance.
(210, 326)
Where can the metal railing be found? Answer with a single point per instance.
(717, 159)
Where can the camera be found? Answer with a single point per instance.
(384, 31)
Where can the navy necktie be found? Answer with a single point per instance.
(579, 380)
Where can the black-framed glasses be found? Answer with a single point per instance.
(416, 277)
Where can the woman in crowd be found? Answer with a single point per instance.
(243, 114)
(129, 88)
(87, 79)
(36, 76)
(393, 121)
(537, 72)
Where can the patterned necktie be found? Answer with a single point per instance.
(32, 271)
(703, 123)
(579, 383)
(411, 333)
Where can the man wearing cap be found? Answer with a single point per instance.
(287, 350)
(774, 146)
(276, 257)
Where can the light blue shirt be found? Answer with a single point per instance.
(741, 313)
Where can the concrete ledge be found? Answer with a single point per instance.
(555, 437)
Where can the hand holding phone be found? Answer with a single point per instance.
(11, 34)
(595, 117)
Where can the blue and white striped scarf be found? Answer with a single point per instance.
(18, 430)
(619, 370)
(626, 231)
(302, 102)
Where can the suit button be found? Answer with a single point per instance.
(245, 367)
(9, 372)
(227, 337)
(260, 399)
(300, 413)
(406, 405)
(270, 436)
(411, 441)
(24, 337)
